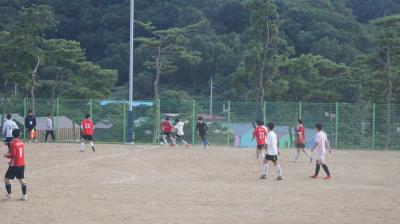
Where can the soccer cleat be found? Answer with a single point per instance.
(279, 178)
(24, 198)
(8, 197)
(263, 177)
(327, 177)
(314, 176)
(94, 150)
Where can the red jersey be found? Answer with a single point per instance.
(87, 127)
(300, 134)
(17, 153)
(260, 133)
(166, 127)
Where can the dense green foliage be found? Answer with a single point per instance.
(311, 50)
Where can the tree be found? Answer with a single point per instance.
(387, 59)
(164, 47)
(264, 34)
(28, 34)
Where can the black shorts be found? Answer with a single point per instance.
(168, 134)
(15, 172)
(8, 140)
(260, 147)
(300, 145)
(87, 137)
(273, 158)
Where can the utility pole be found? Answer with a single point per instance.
(130, 124)
(211, 97)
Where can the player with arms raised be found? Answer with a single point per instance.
(260, 134)
(87, 127)
(16, 167)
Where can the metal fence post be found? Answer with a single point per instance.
(57, 119)
(91, 108)
(158, 120)
(300, 110)
(124, 122)
(229, 122)
(264, 112)
(373, 125)
(336, 125)
(193, 120)
(25, 105)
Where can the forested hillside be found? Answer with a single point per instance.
(275, 50)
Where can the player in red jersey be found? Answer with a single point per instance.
(301, 141)
(16, 167)
(87, 128)
(260, 134)
(167, 129)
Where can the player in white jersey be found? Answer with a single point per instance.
(8, 127)
(272, 153)
(320, 147)
(179, 132)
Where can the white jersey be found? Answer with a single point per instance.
(8, 127)
(179, 128)
(272, 143)
(322, 141)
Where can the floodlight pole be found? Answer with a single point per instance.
(130, 126)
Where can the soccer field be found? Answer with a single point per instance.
(151, 184)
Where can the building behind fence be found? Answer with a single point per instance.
(349, 126)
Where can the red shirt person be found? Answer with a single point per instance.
(260, 134)
(300, 136)
(17, 154)
(16, 167)
(167, 129)
(301, 141)
(87, 127)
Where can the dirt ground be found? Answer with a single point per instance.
(150, 184)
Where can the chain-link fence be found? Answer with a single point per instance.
(349, 126)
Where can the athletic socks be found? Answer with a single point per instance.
(297, 156)
(82, 146)
(279, 170)
(8, 188)
(308, 154)
(266, 169)
(325, 167)
(317, 168)
(23, 187)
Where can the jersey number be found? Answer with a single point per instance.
(88, 126)
(20, 152)
(262, 135)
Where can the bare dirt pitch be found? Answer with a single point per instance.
(149, 184)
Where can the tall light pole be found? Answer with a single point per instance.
(130, 132)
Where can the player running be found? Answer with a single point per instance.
(301, 141)
(321, 144)
(202, 129)
(8, 127)
(16, 167)
(272, 153)
(87, 128)
(260, 134)
(167, 129)
(179, 132)
(30, 125)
